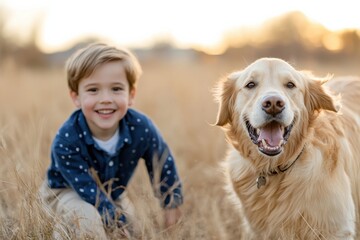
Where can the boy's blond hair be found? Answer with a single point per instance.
(85, 61)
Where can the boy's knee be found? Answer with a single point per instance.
(85, 218)
(86, 213)
(71, 205)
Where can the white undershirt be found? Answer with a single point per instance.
(109, 145)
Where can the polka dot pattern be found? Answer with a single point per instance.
(73, 154)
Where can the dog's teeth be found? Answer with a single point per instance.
(264, 143)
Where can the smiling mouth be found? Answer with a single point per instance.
(105, 111)
(269, 138)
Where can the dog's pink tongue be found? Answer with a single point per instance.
(272, 134)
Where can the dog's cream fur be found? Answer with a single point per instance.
(317, 196)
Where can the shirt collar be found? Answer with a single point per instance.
(85, 130)
(124, 132)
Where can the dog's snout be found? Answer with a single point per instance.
(273, 105)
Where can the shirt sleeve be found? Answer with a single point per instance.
(76, 172)
(162, 169)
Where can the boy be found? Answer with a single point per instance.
(95, 152)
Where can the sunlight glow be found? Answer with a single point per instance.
(332, 42)
(137, 23)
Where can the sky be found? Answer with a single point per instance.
(139, 23)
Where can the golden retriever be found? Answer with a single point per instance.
(294, 157)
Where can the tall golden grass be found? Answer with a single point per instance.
(175, 94)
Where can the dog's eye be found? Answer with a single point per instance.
(250, 85)
(290, 85)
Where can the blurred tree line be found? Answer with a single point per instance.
(293, 35)
(24, 52)
(289, 36)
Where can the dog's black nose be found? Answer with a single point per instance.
(273, 105)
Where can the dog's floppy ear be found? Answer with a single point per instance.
(318, 97)
(225, 95)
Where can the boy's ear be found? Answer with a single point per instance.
(132, 94)
(75, 98)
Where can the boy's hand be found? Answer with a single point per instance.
(172, 216)
(124, 229)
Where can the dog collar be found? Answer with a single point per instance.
(261, 179)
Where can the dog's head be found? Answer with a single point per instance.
(268, 101)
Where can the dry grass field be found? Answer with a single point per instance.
(175, 94)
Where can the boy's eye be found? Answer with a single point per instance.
(92, 90)
(117, 88)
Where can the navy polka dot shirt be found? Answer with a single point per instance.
(75, 157)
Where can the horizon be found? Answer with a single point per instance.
(185, 25)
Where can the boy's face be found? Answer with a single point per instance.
(104, 98)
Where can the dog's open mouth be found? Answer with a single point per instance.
(270, 138)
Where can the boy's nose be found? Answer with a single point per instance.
(105, 97)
